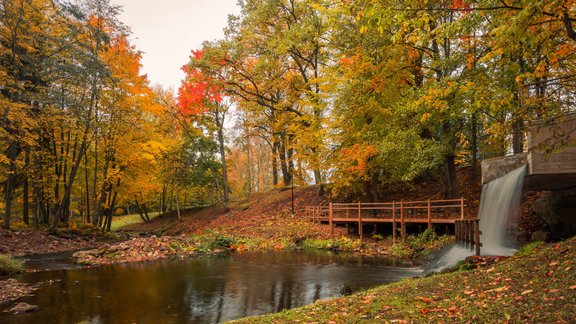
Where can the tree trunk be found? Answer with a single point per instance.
(451, 182)
(222, 148)
(286, 175)
(140, 212)
(25, 191)
(275, 164)
(249, 166)
(518, 137)
(145, 212)
(111, 209)
(474, 142)
(10, 184)
(87, 187)
(177, 205)
(163, 200)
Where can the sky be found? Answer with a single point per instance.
(166, 31)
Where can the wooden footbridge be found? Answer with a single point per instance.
(399, 214)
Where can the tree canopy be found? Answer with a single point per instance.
(354, 93)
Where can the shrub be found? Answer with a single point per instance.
(9, 265)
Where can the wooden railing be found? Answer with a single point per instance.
(467, 231)
(426, 211)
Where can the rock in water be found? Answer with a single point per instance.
(22, 308)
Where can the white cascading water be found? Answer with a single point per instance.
(499, 206)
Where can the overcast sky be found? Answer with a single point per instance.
(166, 31)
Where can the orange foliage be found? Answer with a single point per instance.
(198, 91)
(356, 157)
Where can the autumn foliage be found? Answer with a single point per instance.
(197, 91)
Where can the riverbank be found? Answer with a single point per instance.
(30, 241)
(538, 284)
(153, 247)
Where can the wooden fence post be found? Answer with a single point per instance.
(429, 215)
(330, 218)
(477, 236)
(393, 222)
(360, 230)
(402, 224)
(456, 233)
(461, 207)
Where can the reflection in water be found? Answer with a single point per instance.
(202, 289)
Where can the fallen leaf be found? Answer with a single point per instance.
(526, 292)
(499, 289)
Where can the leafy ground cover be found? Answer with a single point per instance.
(32, 241)
(536, 285)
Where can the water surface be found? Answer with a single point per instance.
(205, 289)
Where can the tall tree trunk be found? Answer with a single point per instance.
(140, 211)
(222, 148)
(9, 185)
(145, 212)
(275, 164)
(95, 204)
(518, 137)
(177, 204)
(249, 166)
(286, 175)
(72, 176)
(87, 187)
(35, 209)
(474, 141)
(452, 191)
(163, 200)
(112, 206)
(25, 192)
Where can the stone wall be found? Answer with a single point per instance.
(552, 146)
(498, 167)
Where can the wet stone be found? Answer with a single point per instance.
(22, 308)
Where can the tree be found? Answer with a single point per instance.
(202, 105)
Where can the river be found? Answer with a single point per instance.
(202, 289)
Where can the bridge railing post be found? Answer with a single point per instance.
(331, 218)
(402, 224)
(394, 230)
(429, 215)
(477, 236)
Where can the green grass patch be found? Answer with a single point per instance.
(121, 221)
(420, 244)
(343, 243)
(9, 265)
(529, 248)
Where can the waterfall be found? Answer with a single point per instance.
(499, 206)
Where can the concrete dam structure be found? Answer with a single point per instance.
(551, 168)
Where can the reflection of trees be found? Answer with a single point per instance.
(202, 289)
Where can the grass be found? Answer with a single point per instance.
(121, 221)
(535, 286)
(9, 265)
